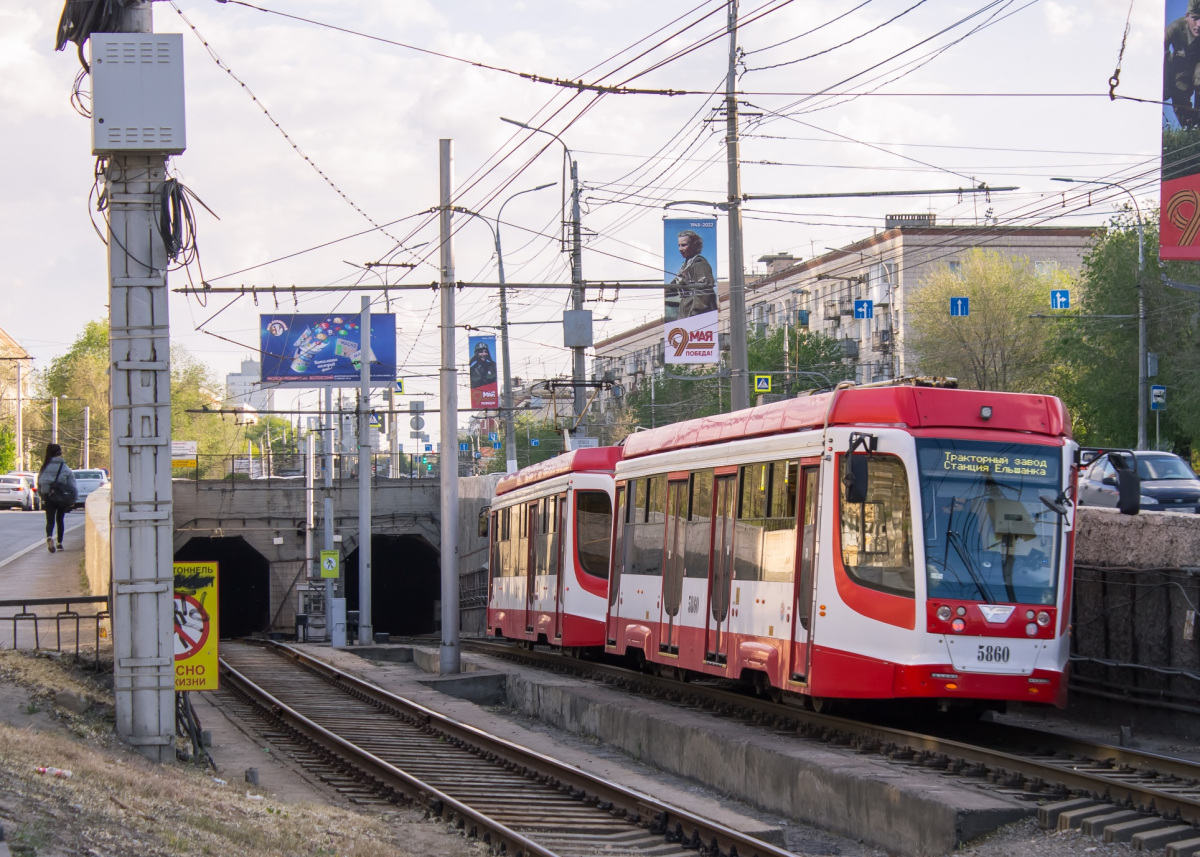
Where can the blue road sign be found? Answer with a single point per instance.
(429, 447)
(400, 386)
(496, 444)
(535, 442)
(464, 447)
(478, 454)
(1060, 298)
(762, 383)
(1158, 397)
(493, 436)
(960, 306)
(864, 309)
(373, 419)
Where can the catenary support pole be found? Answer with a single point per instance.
(739, 359)
(310, 461)
(393, 434)
(54, 419)
(328, 522)
(366, 633)
(449, 661)
(87, 437)
(140, 443)
(578, 368)
(20, 418)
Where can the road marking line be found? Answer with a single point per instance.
(36, 545)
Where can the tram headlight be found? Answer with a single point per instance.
(943, 613)
(1043, 618)
(1028, 614)
(957, 625)
(1031, 629)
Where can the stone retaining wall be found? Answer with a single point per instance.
(97, 559)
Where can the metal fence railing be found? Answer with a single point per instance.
(290, 468)
(56, 624)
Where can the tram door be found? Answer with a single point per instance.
(621, 551)
(556, 560)
(531, 522)
(805, 581)
(716, 645)
(677, 513)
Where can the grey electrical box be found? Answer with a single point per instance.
(137, 93)
(577, 328)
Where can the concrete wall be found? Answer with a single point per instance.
(474, 492)
(97, 558)
(1137, 589)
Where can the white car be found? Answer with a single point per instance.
(15, 493)
(87, 481)
(30, 477)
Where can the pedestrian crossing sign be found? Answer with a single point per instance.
(762, 383)
(400, 386)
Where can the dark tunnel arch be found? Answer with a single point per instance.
(243, 582)
(406, 585)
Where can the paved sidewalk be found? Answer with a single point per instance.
(34, 572)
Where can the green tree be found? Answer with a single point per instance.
(8, 449)
(1098, 343)
(529, 427)
(79, 378)
(998, 346)
(195, 389)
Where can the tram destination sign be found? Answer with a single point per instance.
(1000, 464)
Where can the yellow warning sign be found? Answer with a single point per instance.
(195, 626)
(330, 564)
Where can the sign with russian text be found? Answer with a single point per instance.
(1179, 201)
(183, 456)
(305, 350)
(195, 628)
(690, 296)
(483, 372)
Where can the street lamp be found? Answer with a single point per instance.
(578, 367)
(1141, 313)
(510, 436)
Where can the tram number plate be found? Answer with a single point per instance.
(993, 654)
(693, 605)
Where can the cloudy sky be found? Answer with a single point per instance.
(310, 123)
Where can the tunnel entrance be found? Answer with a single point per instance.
(243, 582)
(406, 585)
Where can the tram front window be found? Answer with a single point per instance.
(988, 535)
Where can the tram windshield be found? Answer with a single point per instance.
(988, 535)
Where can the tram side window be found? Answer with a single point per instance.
(521, 542)
(648, 525)
(541, 535)
(619, 545)
(877, 534)
(593, 525)
(698, 538)
(779, 527)
(495, 568)
(504, 546)
(751, 520)
(554, 506)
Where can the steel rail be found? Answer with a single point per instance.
(608, 798)
(1138, 780)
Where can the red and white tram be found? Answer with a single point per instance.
(871, 543)
(550, 530)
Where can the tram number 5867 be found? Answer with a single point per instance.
(993, 654)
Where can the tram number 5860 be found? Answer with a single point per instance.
(993, 654)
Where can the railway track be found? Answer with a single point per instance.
(378, 746)
(1123, 794)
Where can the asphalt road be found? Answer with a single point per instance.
(19, 529)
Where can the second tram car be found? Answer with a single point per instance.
(549, 534)
(866, 543)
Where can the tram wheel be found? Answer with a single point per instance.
(824, 705)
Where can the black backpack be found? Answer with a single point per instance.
(58, 493)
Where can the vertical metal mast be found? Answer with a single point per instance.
(449, 655)
(739, 359)
(365, 629)
(579, 369)
(140, 404)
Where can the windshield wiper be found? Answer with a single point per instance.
(955, 539)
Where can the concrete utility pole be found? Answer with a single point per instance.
(140, 404)
(87, 437)
(739, 359)
(450, 658)
(20, 418)
(366, 634)
(54, 419)
(393, 434)
(328, 525)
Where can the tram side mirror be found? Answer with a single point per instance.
(483, 521)
(855, 478)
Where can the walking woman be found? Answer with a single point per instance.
(56, 485)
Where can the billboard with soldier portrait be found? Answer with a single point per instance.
(690, 296)
(483, 372)
(1180, 200)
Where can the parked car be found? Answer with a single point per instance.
(88, 481)
(15, 493)
(31, 478)
(1167, 483)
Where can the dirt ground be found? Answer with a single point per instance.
(114, 802)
